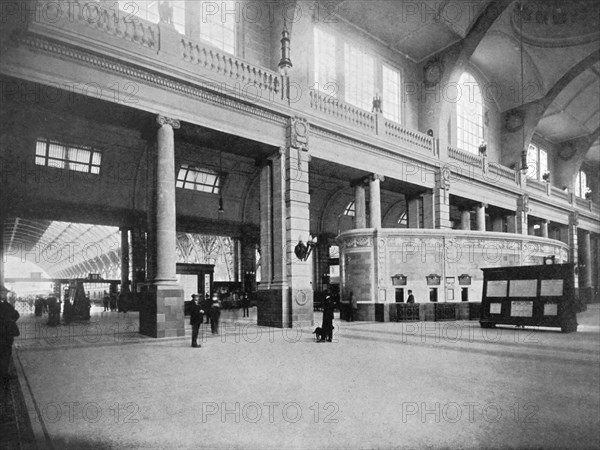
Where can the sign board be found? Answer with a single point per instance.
(521, 309)
(497, 288)
(523, 288)
(552, 288)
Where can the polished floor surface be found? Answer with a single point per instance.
(378, 385)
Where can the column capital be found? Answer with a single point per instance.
(276, 154)
(376, 176)
(297, 133)
(164, 120)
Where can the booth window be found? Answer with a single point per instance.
(198, 179)
(56, 154)
(433, 294)
(469, 114)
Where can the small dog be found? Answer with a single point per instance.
(320, 334)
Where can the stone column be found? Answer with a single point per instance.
(412, 205)
(360, 208)
(522, 211)
(585, 268)
(375, 200)
(573, 243)
(544, 226)
(465, 219)
(161, 314)
(166, 238)
(441, 199)
(481, 216)
(124, 259)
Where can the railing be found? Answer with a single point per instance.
(582, 202)
(536, 185)
(559, 193)
(106, 19)
(229, 66)
(411, 138)
(464, 157)
(502, 171)
(325, 104)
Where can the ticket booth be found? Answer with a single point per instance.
(530, 296)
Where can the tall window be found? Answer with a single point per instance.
(581, 184)
(218, 23)
(325, 67)
(198, 179)
(391, 94)
(469, 111)
(537, 162)
(148, 10)
(359, 70)
(51, 153)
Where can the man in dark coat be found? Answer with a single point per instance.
(215, 314)
(327, 325)
(411, 297)
(196, 314)
(8, 331)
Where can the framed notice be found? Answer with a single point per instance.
(550, 309)
(552, 288)
(497, 288)
(521, 309)
(523, 288)
(495, 308)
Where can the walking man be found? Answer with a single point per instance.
(195, 319)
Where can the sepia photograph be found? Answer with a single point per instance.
(299, 224)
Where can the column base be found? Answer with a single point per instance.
(161, 312)
(285, 307)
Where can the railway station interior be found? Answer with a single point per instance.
(151, 150)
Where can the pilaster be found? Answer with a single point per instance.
(441, 195)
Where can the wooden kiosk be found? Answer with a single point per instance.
(529, 296)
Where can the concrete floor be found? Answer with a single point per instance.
(378, 385)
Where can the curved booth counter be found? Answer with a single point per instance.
(380, 266)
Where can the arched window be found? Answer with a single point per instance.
(469, 112)
(581, 186)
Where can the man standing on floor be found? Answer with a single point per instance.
(8, 331)
(195, 319)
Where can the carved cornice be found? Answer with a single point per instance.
(108, 64)
(162, 120)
